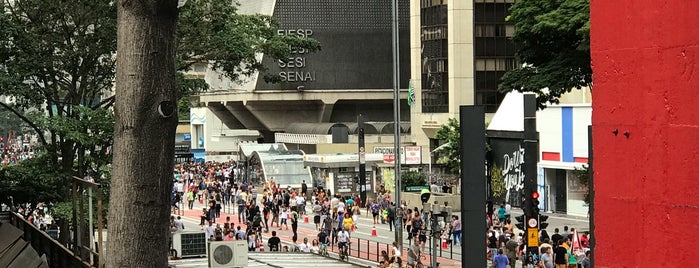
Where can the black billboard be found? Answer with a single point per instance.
(356, 45)
(507, 152)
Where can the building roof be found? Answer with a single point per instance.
(313, 128)
(248, 148)
(510, 114)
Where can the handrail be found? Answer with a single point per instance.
(57, 255)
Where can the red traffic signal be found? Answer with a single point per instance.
(535, 195)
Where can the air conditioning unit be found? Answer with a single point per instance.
(189, 244)
(228, 254)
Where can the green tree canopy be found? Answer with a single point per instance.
(450, 151)
(57, 62)
(552, 38)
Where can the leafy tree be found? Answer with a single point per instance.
(583, 176)
(57, 61)
(56, 56)
(450, 151)
(413, 178)
(552, 39)
(31, 182)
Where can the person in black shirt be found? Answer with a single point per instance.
(273, 242)
(560, 255)
(556, 237)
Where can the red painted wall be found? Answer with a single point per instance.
(645, 58)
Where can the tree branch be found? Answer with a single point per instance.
(106, 103)
(25, 119)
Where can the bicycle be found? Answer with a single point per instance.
(344, 251)
(418, 261)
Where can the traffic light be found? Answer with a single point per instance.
(542, 221)
(361, 133)
(520, 222)
(535, 203)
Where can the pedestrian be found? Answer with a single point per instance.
(317, 210)
(304, 188)
(284, 217)
(456, 229)
(204, 217)
(375, 209)
(585, 261)
(414, 253)
(547, 258)
(355, 216)
(508, 210)
(501, 214)
(190, 200)
(500, 260)
(511, 249)
(294, 222)
(397, 254)
(560, 255)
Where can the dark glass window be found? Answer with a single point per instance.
(433, 37)
(494, 52)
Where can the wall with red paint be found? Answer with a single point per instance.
(645, 58)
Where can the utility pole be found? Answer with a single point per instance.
(362, 158)
(396, 122)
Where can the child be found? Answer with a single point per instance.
(284, 215)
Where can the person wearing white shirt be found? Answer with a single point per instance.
(396, 254)
(315, 247)
(340, 207)
(209, 231)
(305, 246)
(508, 210)
(300, 205)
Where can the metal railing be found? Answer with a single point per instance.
(56, 254)
(369, 250)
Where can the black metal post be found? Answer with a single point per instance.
(531, 158)
(473, 185)
(362, 158)
(591, 187)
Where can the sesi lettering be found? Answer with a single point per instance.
(294, 62)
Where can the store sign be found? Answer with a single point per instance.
(409, 155)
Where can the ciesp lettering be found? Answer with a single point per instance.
(292, 67)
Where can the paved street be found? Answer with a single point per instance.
(450, 257)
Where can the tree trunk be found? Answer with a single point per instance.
(144, 138)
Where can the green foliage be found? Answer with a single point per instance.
(57, 62)
(583, 176)
(497, 181)
(32, 181)
(450, 152)
(56, 57)
(212, 31)
(413, 178)
(552, 38)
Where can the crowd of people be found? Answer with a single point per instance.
(215, 185)
(15, 149)
(506, 245)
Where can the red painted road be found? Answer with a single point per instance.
(367, 249)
